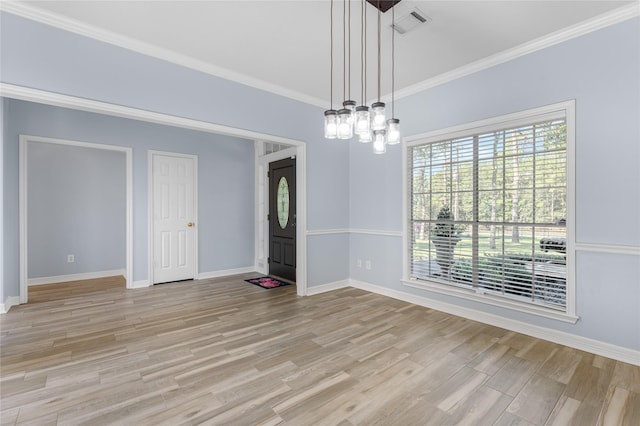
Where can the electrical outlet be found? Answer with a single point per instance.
(359, 263)
(367, 265)
(71, 258)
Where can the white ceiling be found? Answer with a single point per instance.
(283, 46)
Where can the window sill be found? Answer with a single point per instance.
(488, 299)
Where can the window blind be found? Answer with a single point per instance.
(488, 212)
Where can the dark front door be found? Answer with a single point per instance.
(282, 218)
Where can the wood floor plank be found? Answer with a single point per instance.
(222, 351)
(512, 377)
(481, 407)
(565, 412)
(537, 399)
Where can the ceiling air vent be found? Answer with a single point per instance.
(410, 21)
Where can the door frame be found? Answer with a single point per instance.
(297, 150)
(23, 188)
(150, 204)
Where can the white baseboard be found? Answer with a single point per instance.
(225, 272)
(317, 289)
(140, 284)
(75, 277)
(578, 342)
(11, 301)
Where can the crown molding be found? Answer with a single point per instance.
(599, 22)
(49, 18)
(35, 14)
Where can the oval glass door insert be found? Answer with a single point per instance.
(282, 201)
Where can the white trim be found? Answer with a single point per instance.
(49, 18)
(578, 342)
(260, 210)
(336, 285)
(608, 248)
(301, 220)
(150, 205)
(488, 299)
(225, 273)
(81, 104)
(299, 151)
(336, 231)
(564, 110)
(376, 232)
(381, 233)
(406, 268)
(22, 213)
(23, 187)
(140, 284)
(11, 301)
(571, 283)
(75, 277)
(599, 22)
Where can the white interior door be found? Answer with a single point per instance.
(173, 218)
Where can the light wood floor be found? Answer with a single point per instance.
(227, 352)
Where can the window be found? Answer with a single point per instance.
(489, 210)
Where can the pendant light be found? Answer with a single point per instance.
(345, 116)
(331, 115)
(348, 103)
(393, 124)
(369, 124)
(363, 118)
(378, 119)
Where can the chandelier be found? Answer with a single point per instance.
(368, 124)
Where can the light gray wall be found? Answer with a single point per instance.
(39, 56)
(601, 71)
(76, 202)
(225, 174)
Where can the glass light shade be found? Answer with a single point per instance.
(351, 106)
(330, 124)
(379, 142)
(378, 119)
(393, 131)
(365, 137)
(345, 124)
(363, 120)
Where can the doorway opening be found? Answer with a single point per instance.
(267, 153)
(278, 144)
(26, 142)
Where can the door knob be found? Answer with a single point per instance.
(190, 224)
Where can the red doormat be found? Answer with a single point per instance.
(267, 282)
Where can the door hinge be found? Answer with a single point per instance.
(268, 175)
(268, 260)
(268, 217)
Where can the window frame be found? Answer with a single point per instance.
(564, 110)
